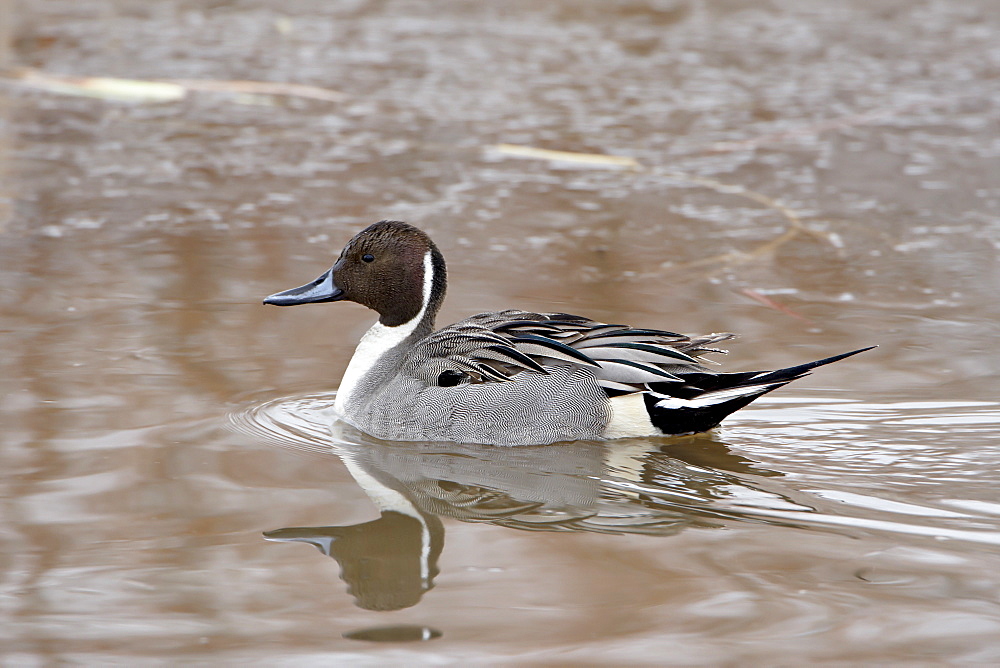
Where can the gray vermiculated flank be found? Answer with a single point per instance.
(566, 404)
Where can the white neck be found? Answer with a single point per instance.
(377, 341)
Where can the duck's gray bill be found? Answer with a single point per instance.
(320, 290)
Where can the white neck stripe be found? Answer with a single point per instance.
(428, 286)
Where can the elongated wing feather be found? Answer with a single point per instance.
(627, 371)
(510, 355)
(597, 337)
(496, 347)
(639, 352)
(543, 346)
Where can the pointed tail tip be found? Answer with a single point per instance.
(837, 358)
(834, 358)
(793, 372)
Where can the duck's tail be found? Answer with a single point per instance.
(703, 400)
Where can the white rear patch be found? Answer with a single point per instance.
(377, 341)
(629, 417)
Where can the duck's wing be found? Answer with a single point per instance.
(496, 347)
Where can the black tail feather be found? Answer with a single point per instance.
(692, 420)
(674, 408)
(793, 372)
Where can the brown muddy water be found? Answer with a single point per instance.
(816, 176)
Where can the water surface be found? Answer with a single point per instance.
(817, 178)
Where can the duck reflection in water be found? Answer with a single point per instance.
(617, 487)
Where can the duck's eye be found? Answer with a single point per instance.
(368, 257)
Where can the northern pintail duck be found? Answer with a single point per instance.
(512, 377)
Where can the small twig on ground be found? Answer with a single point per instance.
(589, 159)
(160, 90)
(261, 88)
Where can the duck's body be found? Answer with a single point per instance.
(512, 377)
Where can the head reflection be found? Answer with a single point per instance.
(387, 563)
